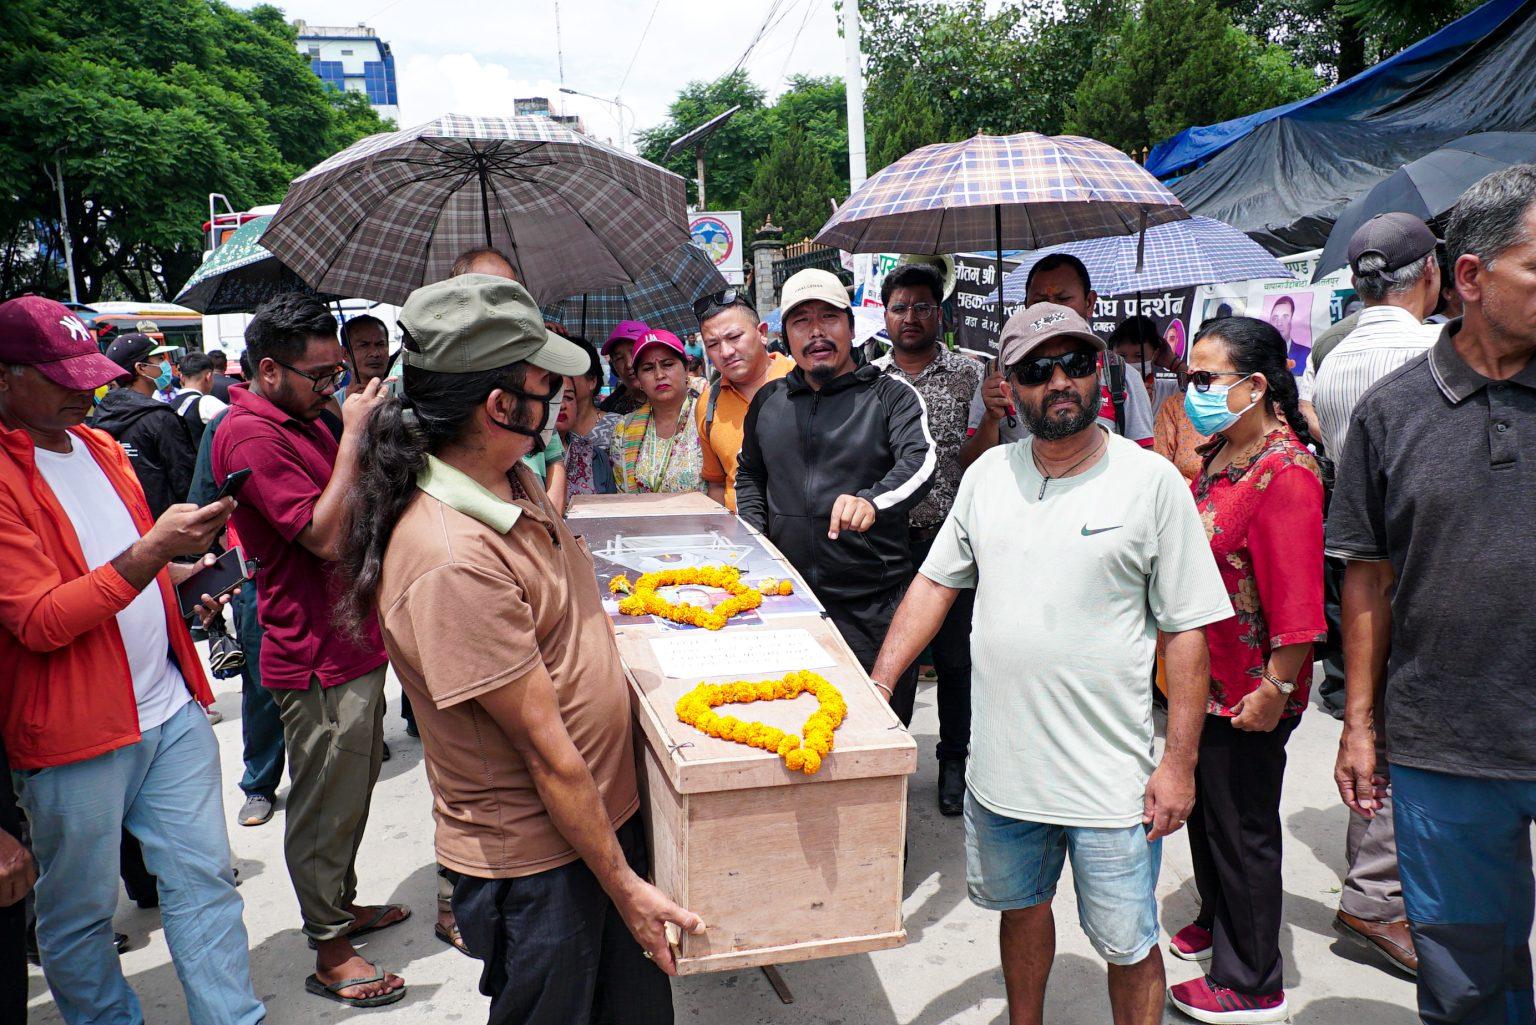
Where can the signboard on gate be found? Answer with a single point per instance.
(718, 233)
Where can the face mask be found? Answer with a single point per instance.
(163, 379)
(1208, 412)
(542, 434)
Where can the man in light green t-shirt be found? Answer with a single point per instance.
(1081, 546)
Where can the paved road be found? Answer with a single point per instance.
(947, 972)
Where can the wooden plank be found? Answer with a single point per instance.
(588, 506)
(787, 866)
(871, 741)
(791, 953)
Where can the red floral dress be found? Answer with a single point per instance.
(1264, 518)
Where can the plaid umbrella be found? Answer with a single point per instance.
(239, 275)
(662, 296)
(1179, 254)
(996, 192)
(393, 211)
(1034, 190)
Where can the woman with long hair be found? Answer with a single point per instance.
(586, 431)
(1260, 495)
(491, 614)
(657, 448)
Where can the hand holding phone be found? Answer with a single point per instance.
(225, 574)
(233, 483)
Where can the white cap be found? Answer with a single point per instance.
(809, 284)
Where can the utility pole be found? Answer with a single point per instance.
(698, 164)
(853, 78)
(69, 249)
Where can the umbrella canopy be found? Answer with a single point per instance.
(1179, 254)
(990, 192)
(393, 211)
(240, 275)
(662, 296)
(1428, 187)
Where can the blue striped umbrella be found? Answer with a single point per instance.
(1179, 254)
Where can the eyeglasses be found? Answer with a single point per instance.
(322, 383)
(922, 311)
(721, 299)
(1203, 379)
(1034, 372)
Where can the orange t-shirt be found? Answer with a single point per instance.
(722, 441)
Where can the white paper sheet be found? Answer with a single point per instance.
(696, 654)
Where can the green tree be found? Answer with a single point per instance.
(794, 186)
(146, 107)
(1177, 63)
(731, 153)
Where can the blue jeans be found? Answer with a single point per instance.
(1012, 864)
(165, 789)
(261, 727)
(1464, 850)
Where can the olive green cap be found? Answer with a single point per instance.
(478, 322)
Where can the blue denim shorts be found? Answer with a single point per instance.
(1012, 864)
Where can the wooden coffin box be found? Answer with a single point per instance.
(781, 866)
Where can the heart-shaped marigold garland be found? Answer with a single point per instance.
(643, 599)
(696, 709)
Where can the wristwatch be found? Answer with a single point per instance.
(1283, 686)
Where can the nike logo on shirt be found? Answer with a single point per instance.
(1099, 530)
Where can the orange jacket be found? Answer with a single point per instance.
(65, 691)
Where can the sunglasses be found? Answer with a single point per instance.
(322, 383)
(721, 299)
(1203, 379)
(1032, 373)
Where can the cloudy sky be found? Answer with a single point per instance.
(475, 56)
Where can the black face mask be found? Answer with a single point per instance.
(538, 434)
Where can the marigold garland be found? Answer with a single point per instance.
(696, 709)
(643, 599)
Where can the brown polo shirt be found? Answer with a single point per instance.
(474, 593)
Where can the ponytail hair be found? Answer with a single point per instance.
(435, 410)
(1255, 347)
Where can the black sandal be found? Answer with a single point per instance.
(333, 991)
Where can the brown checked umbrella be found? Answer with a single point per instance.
(393, 211)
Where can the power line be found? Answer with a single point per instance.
(757, 37)
(809, 7)
(654, 7)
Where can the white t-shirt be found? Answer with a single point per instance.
(106, 530)
(1071, 590)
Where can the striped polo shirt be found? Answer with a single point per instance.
(1384, 339)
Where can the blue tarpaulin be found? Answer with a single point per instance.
(1373, 87)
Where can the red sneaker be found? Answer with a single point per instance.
(1191, 943)
(1204, 1000)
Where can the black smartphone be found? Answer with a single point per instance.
(226, 574)
(233, 483)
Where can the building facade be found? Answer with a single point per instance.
(355, 59)
(538, 106)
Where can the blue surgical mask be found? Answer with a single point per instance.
(1207, 410)
(163, 379)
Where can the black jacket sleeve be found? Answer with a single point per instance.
(177, 454)
(751, 473)
(916, 457)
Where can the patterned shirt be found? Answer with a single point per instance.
(645, 463)
(1264, 518)
(946, 386)
(580, 450)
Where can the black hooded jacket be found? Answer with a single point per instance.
(864, 434)
(157, 443)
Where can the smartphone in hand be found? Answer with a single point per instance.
(233, 483)
(226, 574)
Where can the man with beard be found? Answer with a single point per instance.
(946, 380)
(1105, 538)
(834, 458)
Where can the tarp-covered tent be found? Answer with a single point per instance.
(1289, 174)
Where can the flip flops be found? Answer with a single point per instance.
(453, 938)
(333, 991)
(374, 923)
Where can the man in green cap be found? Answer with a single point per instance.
(492, 618)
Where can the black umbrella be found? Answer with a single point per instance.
(1429, 187)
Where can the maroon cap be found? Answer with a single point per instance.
(665, 339)
(44, 334)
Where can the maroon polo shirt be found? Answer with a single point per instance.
(296, 590)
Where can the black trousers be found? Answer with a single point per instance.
(1234, 839)
(13, 920)
(951, 650)
(556, 951)
(1331, 691)
(863, 624)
